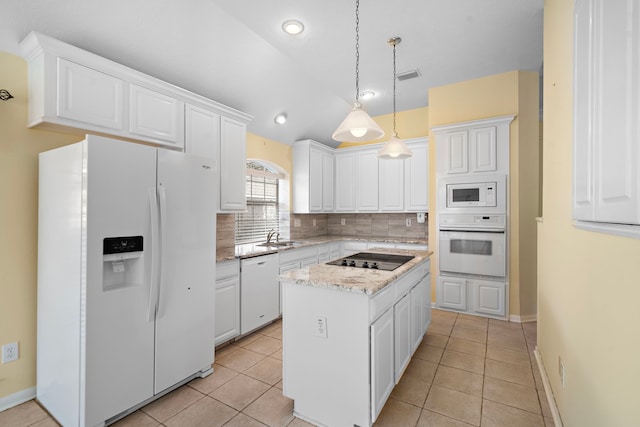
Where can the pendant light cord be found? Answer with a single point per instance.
(394, 88)
(357, 52)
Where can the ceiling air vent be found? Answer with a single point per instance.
(406, 75)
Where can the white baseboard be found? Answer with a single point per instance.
(16, 399)
(523, 319)
(547, 389)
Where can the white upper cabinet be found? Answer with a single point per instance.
(312, 177)
(606, 137)
(156, 116)
(367, 180)
(202, 132)
(327, 181)
(233, 167)
(482, 150)
(416, 177)
(345, 192)
(77, 91)
(89, 96)
(456, 146)
(391, 182)
(478, 146)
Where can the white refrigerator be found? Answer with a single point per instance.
(126, 276)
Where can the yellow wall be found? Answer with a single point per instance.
(409, 124)
(516, 93)
(588, 283)
(19, 148)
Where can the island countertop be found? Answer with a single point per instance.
(356, 280)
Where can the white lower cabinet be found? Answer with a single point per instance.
(227, 301)
(451, 292)
(476, 296)
(402, 334)
(259, 291)
(382, 362)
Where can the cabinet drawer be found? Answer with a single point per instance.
(382, 300)
(227, 269)
(407, 282)
(299, 254)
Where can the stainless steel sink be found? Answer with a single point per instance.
(282, 244)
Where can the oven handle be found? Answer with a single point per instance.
(474, 230)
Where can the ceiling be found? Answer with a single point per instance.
(235, 52)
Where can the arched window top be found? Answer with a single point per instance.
(258, 168)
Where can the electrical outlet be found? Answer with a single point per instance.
(296, 222)
(408, 221)
(561, 371)
(314, 222)
(321, 327)
(10, 352)
(342, 221)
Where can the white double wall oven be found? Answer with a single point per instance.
(472, 241)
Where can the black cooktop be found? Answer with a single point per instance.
(375, 261)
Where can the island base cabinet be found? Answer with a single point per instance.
(326, 355)
(382, 362)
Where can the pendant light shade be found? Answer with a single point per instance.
(395, 148)
(358, 126)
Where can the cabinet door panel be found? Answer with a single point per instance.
(89, 96)
(489, 298)
(482, 147)
(367, 181)
(345, 182)
(233, 168)
(315, 180)
(156, 115)
(402, 335)
(416, 180)
(327, 182)
(202, 132)
(382, 367)
(227, 323)
(391, 185)
(457, 152)
(451, 293)
(616, 124)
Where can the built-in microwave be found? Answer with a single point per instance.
(473, 194)
(460, 194)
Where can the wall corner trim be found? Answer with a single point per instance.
(525, 318)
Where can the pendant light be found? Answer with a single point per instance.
(395, 148)
(358, 125)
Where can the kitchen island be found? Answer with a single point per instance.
(348, 335)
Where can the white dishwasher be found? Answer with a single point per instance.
(259, 291)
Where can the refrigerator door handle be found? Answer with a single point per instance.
(155, 247)
(162, 195)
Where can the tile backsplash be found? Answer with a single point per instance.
(303, 226)
(362, 225)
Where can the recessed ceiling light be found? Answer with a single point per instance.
(367, 94)
(293, 27)
(280, 118)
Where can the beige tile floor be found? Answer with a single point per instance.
(468, 371)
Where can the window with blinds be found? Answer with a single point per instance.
(262, 205)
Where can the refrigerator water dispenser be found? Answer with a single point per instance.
(122, 262)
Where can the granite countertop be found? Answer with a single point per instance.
(253, 249)
(353, 279)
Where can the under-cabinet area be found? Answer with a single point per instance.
(349, 334)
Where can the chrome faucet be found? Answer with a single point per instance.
(270, 235)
